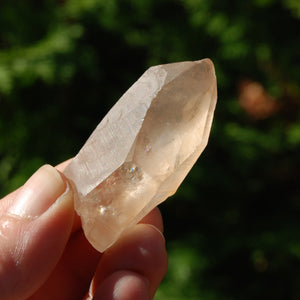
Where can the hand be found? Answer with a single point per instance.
(45, 255)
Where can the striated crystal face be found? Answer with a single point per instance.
(144, 147)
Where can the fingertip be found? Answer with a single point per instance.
(36, 228)
(61, 167)
(123, 285)
(154, 218)
(141, 250)
(40, 191)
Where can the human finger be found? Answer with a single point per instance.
(154, 218)
(35, 226)
(139, 258)
(73, 273)
(77, 222)
(61, 167)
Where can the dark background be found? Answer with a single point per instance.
(233, 227)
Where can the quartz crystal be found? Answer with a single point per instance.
(143, 148)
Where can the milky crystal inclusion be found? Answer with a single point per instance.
(143, 148)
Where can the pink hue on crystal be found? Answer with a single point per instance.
(143, 148)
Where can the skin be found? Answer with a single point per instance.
(48, 257)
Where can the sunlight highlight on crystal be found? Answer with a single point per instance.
(143, 148)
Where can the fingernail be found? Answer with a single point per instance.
(40, 191)
(139, 285)
(154, 227)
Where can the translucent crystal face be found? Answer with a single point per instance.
(143, 149)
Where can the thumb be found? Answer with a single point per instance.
(35, 226)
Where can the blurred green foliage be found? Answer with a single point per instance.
(233, 227)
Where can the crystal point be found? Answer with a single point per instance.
(143, 148)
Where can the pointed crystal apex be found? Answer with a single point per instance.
(143, 148)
